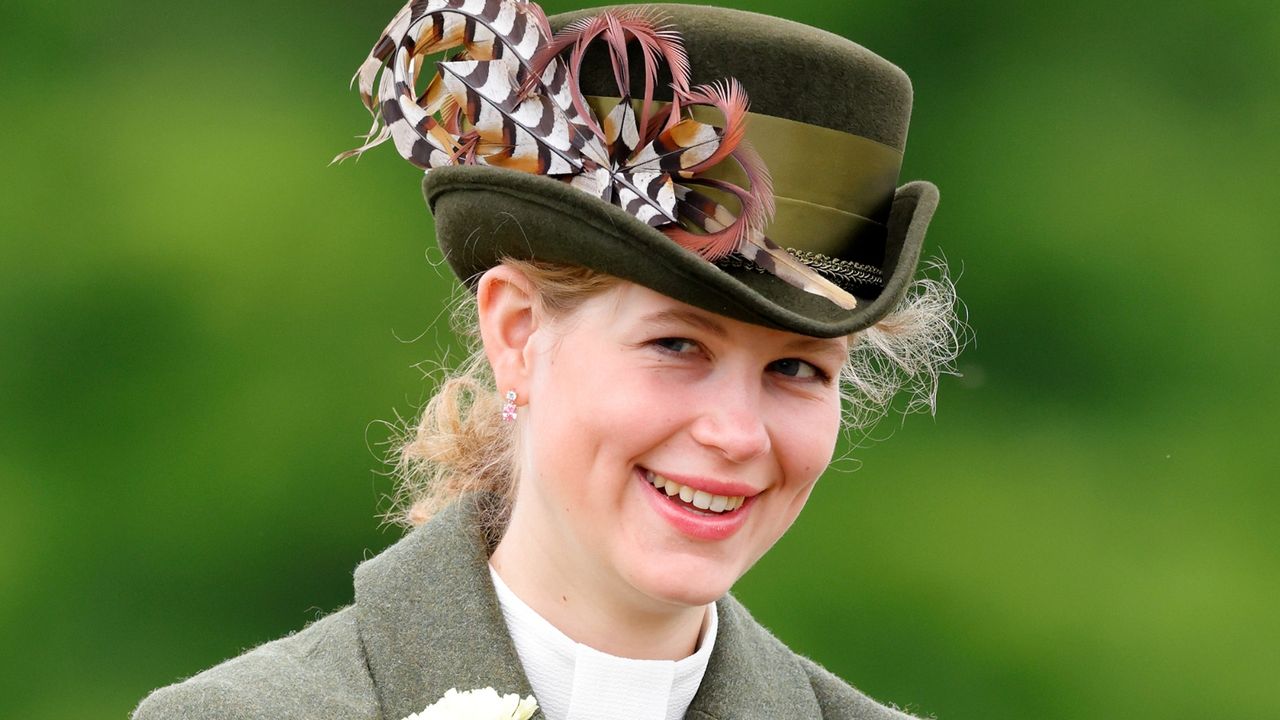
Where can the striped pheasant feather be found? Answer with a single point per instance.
(508, 95)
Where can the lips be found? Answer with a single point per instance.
(686, 517)
(699, 499)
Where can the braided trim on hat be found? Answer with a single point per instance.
(846, 274)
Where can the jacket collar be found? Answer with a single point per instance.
(751, 675)
(430, 621)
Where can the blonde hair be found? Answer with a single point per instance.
(460, 444)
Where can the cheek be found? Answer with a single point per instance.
(805, 442)
(614, 397)
(590, 409)
(805, 446)
(809, 435)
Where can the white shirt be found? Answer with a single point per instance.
(572, 681)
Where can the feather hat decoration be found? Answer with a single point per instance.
(507, 95)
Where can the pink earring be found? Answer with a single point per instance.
(509, 407)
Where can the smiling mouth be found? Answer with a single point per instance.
(700, 502)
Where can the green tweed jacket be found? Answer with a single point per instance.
(425, 619)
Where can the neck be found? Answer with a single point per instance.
(591, 605)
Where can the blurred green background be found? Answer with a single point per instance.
(204, 331)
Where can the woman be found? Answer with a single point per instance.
(658, 383)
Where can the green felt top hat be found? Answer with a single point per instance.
(659, 190)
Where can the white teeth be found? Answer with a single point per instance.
(700, 499)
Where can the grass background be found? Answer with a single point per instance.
(203, 330)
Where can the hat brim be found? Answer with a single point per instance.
(484, 214)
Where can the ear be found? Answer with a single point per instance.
(505, 300)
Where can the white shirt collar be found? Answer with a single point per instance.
(575, 682)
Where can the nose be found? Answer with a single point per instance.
(731, 421)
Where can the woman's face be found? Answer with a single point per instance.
(636, 390)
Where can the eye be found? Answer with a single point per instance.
(676, 345)
(799, 369)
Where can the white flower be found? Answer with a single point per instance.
(481, 704)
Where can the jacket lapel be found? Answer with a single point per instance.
(429, 619)
(751, 675)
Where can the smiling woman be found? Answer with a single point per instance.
(634, 389)
(656, 384)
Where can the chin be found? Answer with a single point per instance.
(690, 584)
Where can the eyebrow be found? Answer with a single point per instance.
(691, 318)
(822, 346)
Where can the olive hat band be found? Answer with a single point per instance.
(833, 189)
